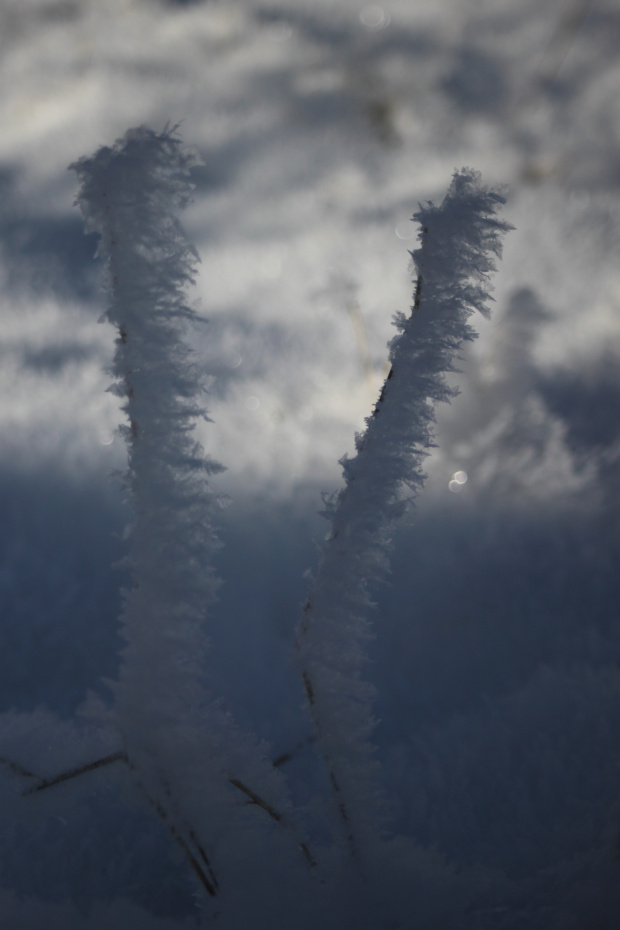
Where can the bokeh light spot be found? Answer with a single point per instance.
(374, 18)
(458, 480)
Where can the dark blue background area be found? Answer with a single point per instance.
(59, 595)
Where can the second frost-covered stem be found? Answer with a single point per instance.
(458, 243)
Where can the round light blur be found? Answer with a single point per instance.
(374, 17)
(456, 483)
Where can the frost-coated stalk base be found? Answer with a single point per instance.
(458, 243)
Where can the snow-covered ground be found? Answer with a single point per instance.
(321, 125)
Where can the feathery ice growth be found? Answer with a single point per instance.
(458, 243)
(224, 802)
(194, 766)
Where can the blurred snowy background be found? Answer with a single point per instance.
(321, 125)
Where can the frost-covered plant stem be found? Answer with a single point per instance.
(189, 759)
(130, 195)
(199, 774)
(458, 242)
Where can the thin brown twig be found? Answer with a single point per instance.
(285, 757)
(207, 878)
(17, 768)
(273, 813)
(255, 798)
(190, 832)
(73, 773)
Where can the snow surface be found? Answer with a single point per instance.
(321, 127)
